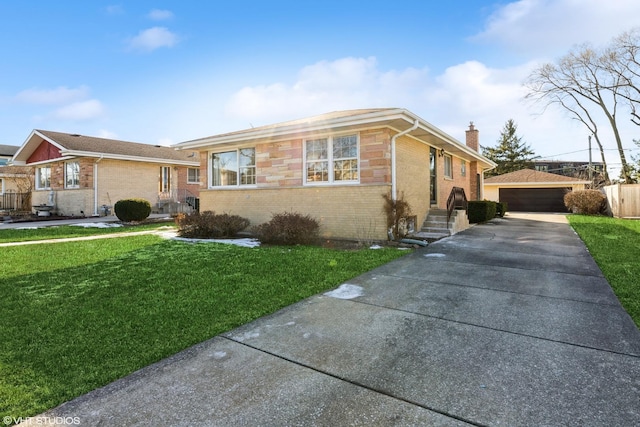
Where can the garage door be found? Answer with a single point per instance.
(534, 199)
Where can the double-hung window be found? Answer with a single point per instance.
(448, 166)
(332, 159)
(43, 178)
(193, 176)
(233, 168)
(72, 175)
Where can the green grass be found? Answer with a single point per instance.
(615, 245)
(59, 232)
(78, 315)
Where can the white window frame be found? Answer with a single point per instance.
(196, 173)
(75, 180)
(448, 166)
(39, 170)
(239, 170)
(331, 161)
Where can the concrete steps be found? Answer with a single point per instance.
(435, 226)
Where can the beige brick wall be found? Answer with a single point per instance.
(446, 184)
(413, 176)
(349, 211)
(119, 179)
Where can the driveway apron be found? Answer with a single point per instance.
(509, 323)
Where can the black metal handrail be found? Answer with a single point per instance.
(457, 200)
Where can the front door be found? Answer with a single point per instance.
(165, 179)
(433, 191)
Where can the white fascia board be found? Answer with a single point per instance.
(25, 144)
(70, 153)
(283, 131)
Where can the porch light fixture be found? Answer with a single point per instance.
(441, 152)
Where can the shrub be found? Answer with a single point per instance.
(397, 212)
(209, 225)
(128, 210)
(501, 209)
(481, 210)
(585, 201)
(288, 228)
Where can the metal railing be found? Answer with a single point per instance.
(180, 196)
(457, 200)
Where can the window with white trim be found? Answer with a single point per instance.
(43, 178)
(463, 167)
(193, 176)
(72, 175)
(332, 159)
(233, 168)
(448, 166)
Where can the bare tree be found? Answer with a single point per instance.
(584, 83)
(622, 59)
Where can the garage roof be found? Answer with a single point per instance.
(532, 177)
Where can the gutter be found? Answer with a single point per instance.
(394, 190)
(95, 186)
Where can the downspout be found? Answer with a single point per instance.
(95, 186)
(394, 190)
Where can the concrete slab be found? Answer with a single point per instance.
(436, 267)
(477, 374)
(224, 383)
(604, 326)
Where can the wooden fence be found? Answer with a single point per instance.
(624, 200)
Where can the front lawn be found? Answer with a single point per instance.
(78, 315)
(33, 231)
(615, 245)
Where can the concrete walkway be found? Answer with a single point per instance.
(509, 323)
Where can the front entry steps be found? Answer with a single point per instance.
(435, 225)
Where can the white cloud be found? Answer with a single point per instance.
(80, 111)
(466, 92)
(57, 96)
(114, 9)
(326, 86)
(107, 134)
(551, 27)
(160, 15)
(152, 39)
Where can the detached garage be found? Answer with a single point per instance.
(528, 190)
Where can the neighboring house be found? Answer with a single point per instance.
(6, 153)
(528, 190)
(83, 175)
(569, 168)
(337, 167)
(11, 179)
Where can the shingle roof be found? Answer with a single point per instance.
(305, 121)
(530, 176)
(8, 150)
(75, 142)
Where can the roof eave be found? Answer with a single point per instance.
(76, 153)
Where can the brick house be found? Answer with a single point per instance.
(336, 167)
(82, 175)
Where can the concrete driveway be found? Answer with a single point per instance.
(509, 323)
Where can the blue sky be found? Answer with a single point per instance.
(163, 72)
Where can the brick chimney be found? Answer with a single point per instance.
(472, 138)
